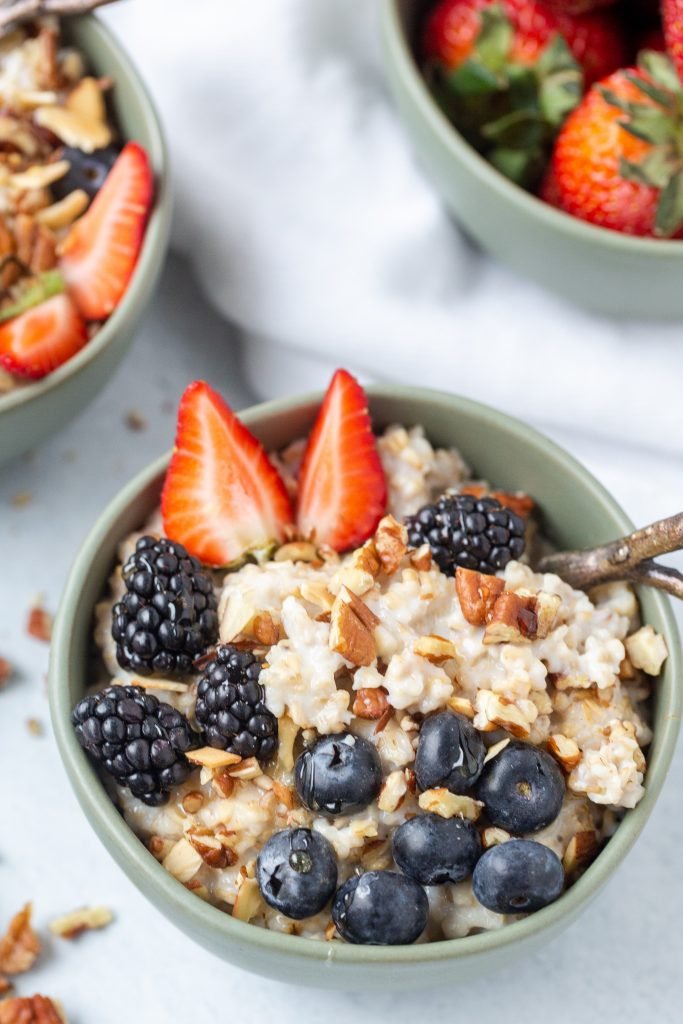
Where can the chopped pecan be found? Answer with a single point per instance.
(477, 594)
(564, 750)
(370, 703)
(265, 629)
(391, 544)
(208, 846)
(512, 620)
(462, 705)
(366, 558)
(20, 946)
(6, 672)
(351, 629)
(29, 1010)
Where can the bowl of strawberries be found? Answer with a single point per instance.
(554, 131)
(85, 220)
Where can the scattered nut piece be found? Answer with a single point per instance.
(565, 750)
(296, 551)
(391, 544)
(547, 606)
(135, 421)
(436, 649)
(521, 504)
(84, 133)
(581, 850)
(39, 622)
(393, 791)
(223, 783)
(317, 594)
(351, 629)
(370, 703)
(366, 558)
(211, 757)
(6, 672)
(193, 801)
(35, 727)
(287, 734)
(160, 847)
(249, 768)
(647, 650)
(441, 801)
(494, 750)
(461, 705)
(86, 99)
(208, 846)
(494, 837)
(70, 926)
(249, 902)
(421, 558)
(39, 175)
(477, 594)
(496, 711)
(265, 629)
(19, 946)
(376, 855)
(29, 1010)
(627, 671)
(182, 861)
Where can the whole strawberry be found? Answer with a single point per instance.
(618, 161)
(672, 16)
(596, 40)
(508, 74)
(576, 6)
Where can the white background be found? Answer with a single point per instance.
(619, 963)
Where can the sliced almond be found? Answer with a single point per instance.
(249, 902)
(494, 750)
(40, 175)
(65, 211)
(160, 847)
(461, 705)
(287, 734)
(183, 861)
(249, 768)
(86, 100)
(393, 791)
(70, 926)
(85, 133)
(351, 629)
(211, 757)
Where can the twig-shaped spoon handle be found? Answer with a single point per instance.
(12, 12)
(629, 558)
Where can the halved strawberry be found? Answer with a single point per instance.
(41, 339)
(100, 252)
(222, 496)
(342, 487)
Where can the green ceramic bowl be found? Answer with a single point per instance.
(578, 512)
(596, 268)
(32, 413)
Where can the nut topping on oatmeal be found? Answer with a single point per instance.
(351, 629)
(581, 850)
(447, 804)
(211, 757)
(477, 594)
(391, 544)
(371, 703)
(565, 750)
(436, 649)
(647, 650)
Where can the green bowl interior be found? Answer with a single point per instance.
(136, 116)
(577, 510)
(401, 20)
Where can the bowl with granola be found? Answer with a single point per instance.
(84, 220)
(318, 703)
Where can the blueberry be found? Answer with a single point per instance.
(518, 877)
(450, 753)
(87, 171)
(380, 908)
(339, 775)
(434, 850)
(297, 872)
(522, 788)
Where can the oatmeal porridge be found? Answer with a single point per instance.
(378, 704)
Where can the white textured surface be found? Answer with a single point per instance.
(619, 963)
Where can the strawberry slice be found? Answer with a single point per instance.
(41, 339)
(100, 252)
(222, 496)
(342, 487)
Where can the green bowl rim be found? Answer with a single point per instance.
(397, 51)
(154, 243)
(149, 876)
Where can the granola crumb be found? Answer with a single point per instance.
(135, 421)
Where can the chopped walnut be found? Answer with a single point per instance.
(447, 805)
(376, 855)
(391, 544)
(285, 795)
(351, 631)
(477, 594)
(494, 837)
(647, 650)
(370, 703)
(29, 1010)
(496, 749)
(565, 750)
(20, 946)
(70, 926)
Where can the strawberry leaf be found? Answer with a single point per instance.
(655, 170)
(654, 127)
(660, 69)
(670, 208)
(661, 96)
(520, 129)
(519, 165)
(495, 37)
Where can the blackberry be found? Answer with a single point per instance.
(137, 739)
(168, 616)
(231, 706)
(475, 533)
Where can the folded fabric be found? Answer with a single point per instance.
(310, 224)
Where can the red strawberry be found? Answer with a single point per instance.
(651, 39)
(575, 7)
(617, 162)
(342, 487)
(42, 338)
(222, 496)
(100, 252)
(596, 40)
(672, 16)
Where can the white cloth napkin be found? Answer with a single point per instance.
(309, 223)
